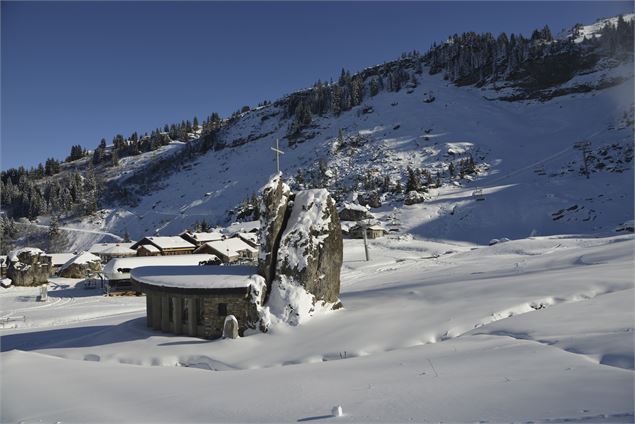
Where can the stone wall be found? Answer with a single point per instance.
(185, 311)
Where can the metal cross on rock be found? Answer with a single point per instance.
(278, 153)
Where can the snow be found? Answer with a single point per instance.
(307, 218)
(112, 248)
(59, 259)
(5, 282)
(437, 326)
(231, 246)
(205, 237)
(538, 329)
(167, 242)
(195, 277)
(13, 255)
(353, 206)
(593, 30)
(249, 237)
(114, 268)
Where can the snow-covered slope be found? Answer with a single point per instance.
(529, 168)
(537, 330)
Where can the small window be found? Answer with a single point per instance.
(222, 309)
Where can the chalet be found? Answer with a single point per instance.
(148, 250)
(199, 238)
(108, 251)
(230, 250)
(372, 232)
(117, 270)
(173, 245)
(196, 300)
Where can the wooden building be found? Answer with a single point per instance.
(172, 245)
(372, 232)
(199, 238)
(230, 250)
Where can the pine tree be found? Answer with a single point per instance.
(413, 183)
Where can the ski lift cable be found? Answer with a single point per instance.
(540, 162)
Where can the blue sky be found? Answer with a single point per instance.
(74, 72)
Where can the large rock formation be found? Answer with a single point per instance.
(83, 265)
(309, 259)
(354, 212)
(273, 209)
(28, 267)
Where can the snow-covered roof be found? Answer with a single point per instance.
(5, 282)
(377, 228)
(81, 259)
(60, 258)
(231, 246)
(249, 237)
(103, 247)
(151, 248)
(13, 255)
(117, 249)
(242, 227)
(114, 268)
(197, 277)
(353, 207)
(205, 237)
(167, 242)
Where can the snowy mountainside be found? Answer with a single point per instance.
(582, 32)
(513, 143)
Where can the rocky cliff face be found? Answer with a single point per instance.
(274, 202)
(309, 259)
(28, 267)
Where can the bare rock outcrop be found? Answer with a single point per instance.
(83, 265)
(309, 259)
(274, 201)
(28, 267)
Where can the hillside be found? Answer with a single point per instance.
(519, 136)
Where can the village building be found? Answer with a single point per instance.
(230, 250)
(196, 300)
(199, 238)
(117, 270)
(171, 245)
(59, 259)
(372, 232)
(107, 251)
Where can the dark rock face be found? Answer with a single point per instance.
(29, 267)
(311, 248)
(274, 201)
(354, 213)
(80, 270)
